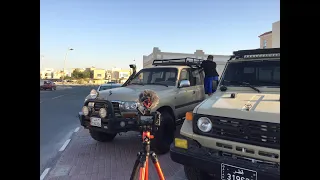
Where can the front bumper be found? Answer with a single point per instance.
(210, 161)
(111, 125)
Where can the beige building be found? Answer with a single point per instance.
(47, 73)
(158, 54)
(108, 74)
(99, 73)
(57, 74)
(271, 39)
(276, 34)
(266, 40)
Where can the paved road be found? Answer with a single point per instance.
(58, 119)
(87, 159)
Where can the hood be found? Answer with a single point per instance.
(251, 106)
(131, 92)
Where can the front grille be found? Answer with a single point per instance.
(99, 105)
(258, 133)
(116, 108)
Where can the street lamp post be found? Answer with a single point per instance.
(64, 65)
(42, 57)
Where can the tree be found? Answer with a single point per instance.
(75, 74)
(86, 74)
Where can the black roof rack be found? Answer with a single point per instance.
(187, 61)
(243, 53)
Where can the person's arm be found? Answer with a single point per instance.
(214, 65)
(202, 64)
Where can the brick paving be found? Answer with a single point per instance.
(87, 159)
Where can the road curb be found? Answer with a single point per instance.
(46, 169)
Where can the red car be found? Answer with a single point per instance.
(48, 85)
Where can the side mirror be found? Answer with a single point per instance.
(184, 83)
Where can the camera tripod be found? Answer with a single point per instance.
(140, 168)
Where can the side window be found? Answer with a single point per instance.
(184, 74)
(197, 77)
(187, 74)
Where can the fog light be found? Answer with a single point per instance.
(181, 143)
(103, 113)
(85, 110)
(91, 104)
(122, 124)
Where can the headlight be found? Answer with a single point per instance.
(85, 110)
(129, 105)
(103, 113)
(204, 124)
(93, 94)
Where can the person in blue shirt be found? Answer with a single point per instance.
(211, 75)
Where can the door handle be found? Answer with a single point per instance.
(193, 92)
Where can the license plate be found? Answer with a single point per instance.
(95, 121)
(229, 172)
(146, 118)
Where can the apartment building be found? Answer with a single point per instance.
(99, 73)
(271, 39)
(200, 54)
(47, 73)
(108, 74)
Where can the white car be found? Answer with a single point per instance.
(108, 86)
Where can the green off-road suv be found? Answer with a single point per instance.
(235, 134)
(178, 84)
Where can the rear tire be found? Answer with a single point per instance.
(195, 174)
(165, 134)
(102, 137)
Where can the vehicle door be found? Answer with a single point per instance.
(185, 95)
(197, 84)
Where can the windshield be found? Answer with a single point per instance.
(165, 76)
(256, 73)
(107, 87)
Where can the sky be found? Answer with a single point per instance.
(112, 33)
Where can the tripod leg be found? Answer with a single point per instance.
(136, 169)
(156, 164)
(146, 173)
(142, 173)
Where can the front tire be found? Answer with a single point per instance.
(195, 174)
(165, 134)
(102, 137)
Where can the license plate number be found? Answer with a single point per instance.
(229, 172)
(146, 118)
(95, 122)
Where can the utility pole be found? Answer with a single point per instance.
(64, 65)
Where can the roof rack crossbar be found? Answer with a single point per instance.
(187, 61)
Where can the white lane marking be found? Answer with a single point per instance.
(45, 172)
(65, 145)
(77, 129)
(58, 96)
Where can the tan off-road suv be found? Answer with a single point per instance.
(178, 84)
(235, 134)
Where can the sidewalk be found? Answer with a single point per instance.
(87, 159)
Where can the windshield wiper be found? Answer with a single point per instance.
(137, 84)
(158, 84)
(246, 84)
